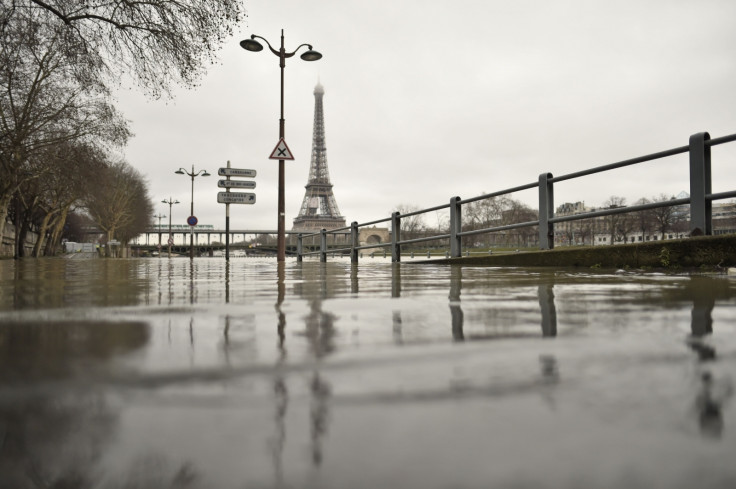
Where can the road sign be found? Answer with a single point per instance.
(236, 184)
(171, 241)
(281, 152)
(192, 220)
(236, 198)
(236, 172)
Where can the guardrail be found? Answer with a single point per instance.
(700, 201)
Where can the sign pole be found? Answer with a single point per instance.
(227, 223)
(227, 197)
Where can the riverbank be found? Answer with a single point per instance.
(696, 252)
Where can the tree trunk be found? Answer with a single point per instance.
(22, 228)
(4, 206)
(53, 243)
(41, 235)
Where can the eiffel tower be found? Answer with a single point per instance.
(319, 208)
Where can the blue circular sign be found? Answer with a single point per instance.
(192, 220)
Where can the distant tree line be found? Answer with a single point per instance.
(486, 213)
(60, 132)
(621, 227)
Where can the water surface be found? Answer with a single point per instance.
(178, 373)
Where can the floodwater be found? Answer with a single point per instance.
(168, 373)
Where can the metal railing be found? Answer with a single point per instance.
(700, 201)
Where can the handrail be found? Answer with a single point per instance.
(700, 201)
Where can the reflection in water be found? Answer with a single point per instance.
(550, 377)
(456, 312)
(281, 393)
(54, 283)
(53, 436)
(31, 351)
(396, 280)
(711, 395)
(703, 302)
(320, 330)
(550, 371)
(154, 470)
(319, 415)
(545, 293)
(227, 282)
(549, 311)
(281, 317)
(708, 406)
(53, 441)
(278, 442)
(396, 327)
(354, 285)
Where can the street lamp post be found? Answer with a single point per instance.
(159, 217)
(309, 55)
(170, 202)
(182, 171)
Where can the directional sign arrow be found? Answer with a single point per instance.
(236, 184)
(236, 198)
(236, 172)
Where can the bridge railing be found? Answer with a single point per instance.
(700, 202)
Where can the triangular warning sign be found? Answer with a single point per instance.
(281, 152)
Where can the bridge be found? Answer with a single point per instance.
(208, 240)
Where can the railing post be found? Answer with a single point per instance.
(700, 186)
(546, 211)
(299, 248)
(456, 225)
(354, 243)
(323, 245)
(395, 237)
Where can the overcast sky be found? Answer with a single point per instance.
(426, 99)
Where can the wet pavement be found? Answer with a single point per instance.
(170, 373)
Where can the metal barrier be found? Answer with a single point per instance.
(700, 200)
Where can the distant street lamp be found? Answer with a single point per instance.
(159, 217)
(171, 238)
(182, 171)
(309, 55)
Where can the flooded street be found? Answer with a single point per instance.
(148, 373)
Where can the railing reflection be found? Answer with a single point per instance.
(456, 312)
(712, 393)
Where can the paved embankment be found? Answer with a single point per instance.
(702, 251)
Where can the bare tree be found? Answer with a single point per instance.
(159, 43)
(60, 58)
(485, 213)
(41, 106)
(614, 221)
(119, 203)
(411, 226)
(516, 212)
(69, 168)
(663, 217)
(584, 231)
(642, 219)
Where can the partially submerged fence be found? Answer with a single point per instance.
(700, 202)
